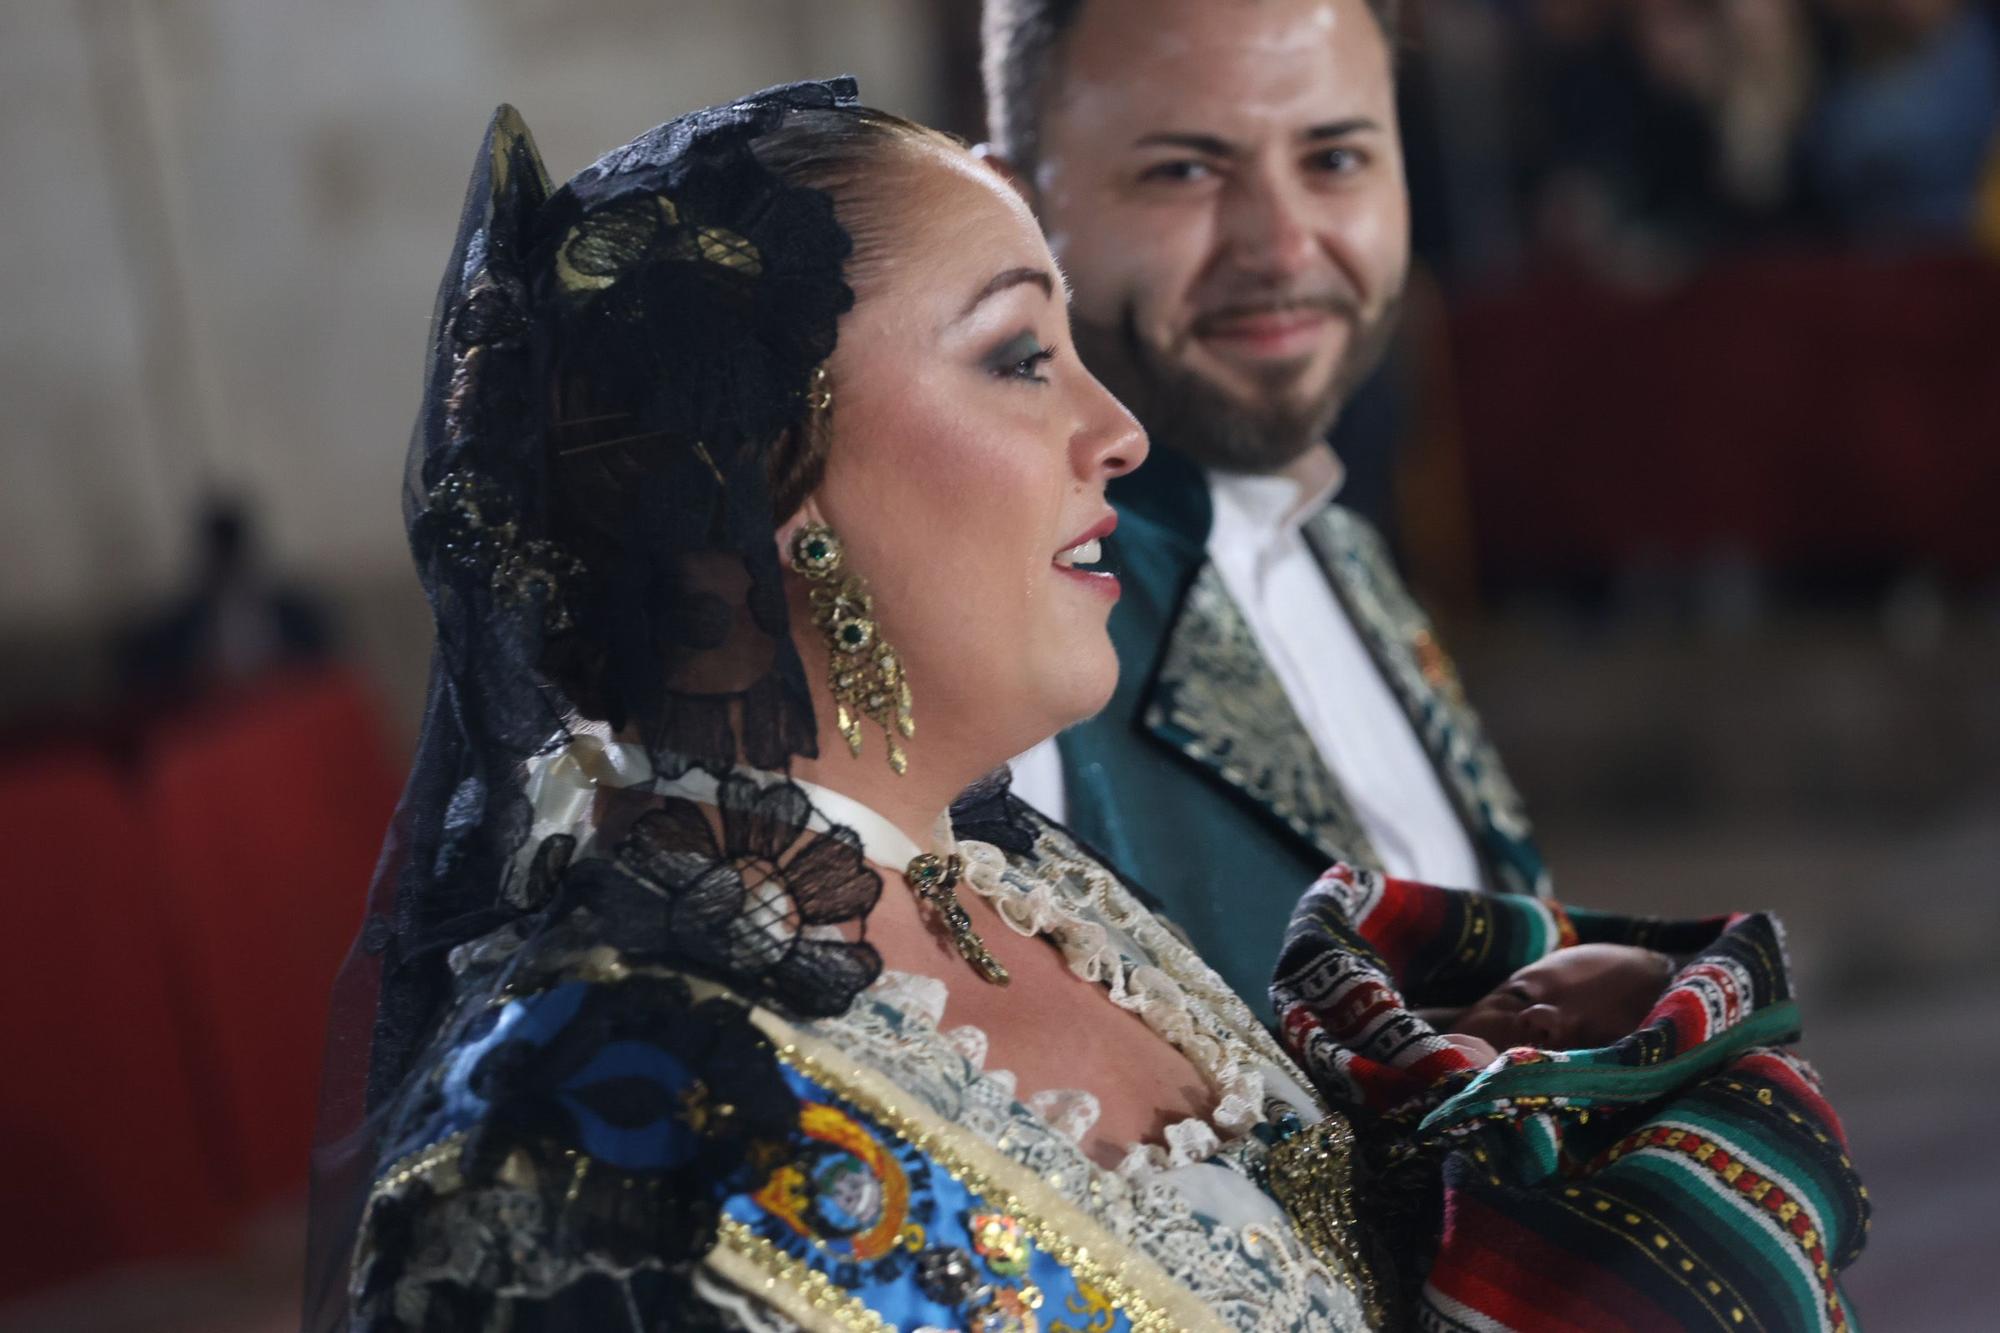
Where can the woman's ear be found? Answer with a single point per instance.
(797, 461)
(788, 531)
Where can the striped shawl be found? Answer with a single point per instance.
(1689, 1176)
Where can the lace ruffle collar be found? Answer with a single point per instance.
(1077, 925)
(1073, 903)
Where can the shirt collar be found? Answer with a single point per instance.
(1266, 507)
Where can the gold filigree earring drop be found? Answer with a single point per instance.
(866, 677)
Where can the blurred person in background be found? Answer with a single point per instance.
(1655, 130)
(1223, 185)
(1651, 133)
(1902, 140)
(232, 624)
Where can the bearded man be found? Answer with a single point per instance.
(1223, 183)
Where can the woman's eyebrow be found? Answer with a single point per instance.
(1013, 277)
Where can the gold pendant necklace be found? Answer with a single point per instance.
(935, 879)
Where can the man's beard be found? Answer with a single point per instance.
(1184, 411)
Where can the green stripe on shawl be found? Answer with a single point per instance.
(1691, 1183)
(1582, 1081)
(1777, 1149)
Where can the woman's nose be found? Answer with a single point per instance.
(1110, 441)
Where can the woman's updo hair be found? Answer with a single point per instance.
(860, 158)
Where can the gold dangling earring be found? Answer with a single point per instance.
(866, 677)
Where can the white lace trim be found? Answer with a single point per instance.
(1252, 1269)
(1254, 1272)
(1244, 1261)
(1052, 906)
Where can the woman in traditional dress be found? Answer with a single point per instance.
(701, 986)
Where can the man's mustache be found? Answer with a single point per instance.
(1337, 305)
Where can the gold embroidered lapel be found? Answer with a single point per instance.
(1216, 701)
(1400, 638)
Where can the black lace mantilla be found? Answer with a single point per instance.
(678, 295)
(761, 908)
(573, 1156)
(582, 1117)
(687, 294)
(580, 1099)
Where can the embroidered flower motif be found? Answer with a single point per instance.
(1012, 1310)
(717, 289)
(472, 527)
(1000, 1242)
(757, 908)
(947, 1275)
(607, 1084)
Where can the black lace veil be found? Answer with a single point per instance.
(588, 502)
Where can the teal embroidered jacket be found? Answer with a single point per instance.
(1198, 779)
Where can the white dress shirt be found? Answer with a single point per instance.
(1354, 719)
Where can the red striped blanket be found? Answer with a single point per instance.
(1689, 1176)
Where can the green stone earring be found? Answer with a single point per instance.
(866, 679)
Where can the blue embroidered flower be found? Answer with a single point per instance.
(600, 1083)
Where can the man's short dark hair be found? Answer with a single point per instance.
(1017, 54)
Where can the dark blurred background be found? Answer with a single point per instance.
(1692, 440)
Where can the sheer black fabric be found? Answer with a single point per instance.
(740, 903)
(587, 504)
(675, 1101)
(572, 1126)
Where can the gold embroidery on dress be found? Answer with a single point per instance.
(1090, 1306)
(1151, 1301)
(439, 1159)
(799, 1291)
(1312, 1176)
(1215, 687)
(1112, 1276)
